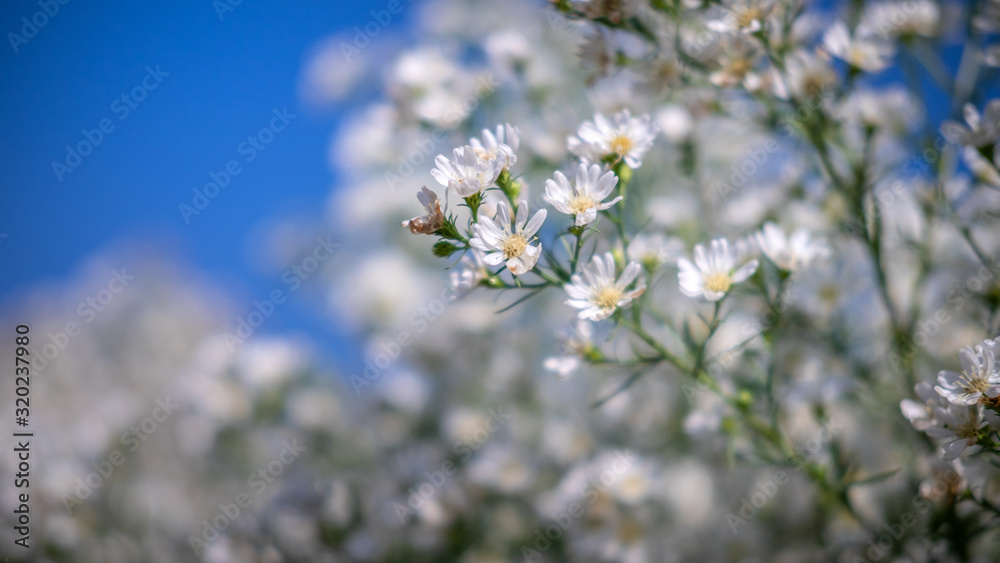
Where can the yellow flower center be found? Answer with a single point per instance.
(974, 383)
(738, 67)
(621, 145)
(608, 297)
(718, 283)
(581, 203)
(748, 15)
(513, 246)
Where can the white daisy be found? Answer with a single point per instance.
(789, 253)
(432, 219)
(466, 174)
(655, 250)
(623, 136)
(502, 146)
(921, 414)
(808, 75)
(863, 51)
(597, 293)
(584, 197)
(470, 272)
(980, 377)
(505, 242)
(712, 273)
(959, 425)
(576, 345)
(982, 129)
(743, 16)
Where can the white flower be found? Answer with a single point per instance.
(466, 174)
(861, 51)
(655, 250)
(790, 253)
(502, 146)
(921, 415)
(623, 137)
(808, 74)
(906, 17)
(597, 293)
(584, 197)
(712, 273)
(432, 219)
(982, 130)
(575, 345)
(980, 377)
(509, 243)
(471, 270)
(958, 425)
(744, 16)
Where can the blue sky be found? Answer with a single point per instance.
(196, 85)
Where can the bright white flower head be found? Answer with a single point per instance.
(959, 426)
(597, 294)
(712, 274)
(982, 129)
(503, 242)
(866, 52)
(502, 146)
(465, 173)
(623, 136)
(655, 250)
(980, 377)
(583, 198)
(790, 253)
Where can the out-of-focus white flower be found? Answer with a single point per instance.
(470, 271)
(737, 63)
(597, 293)
(983, 169)
(959, 426)
(583, 198)
(510, 243)
(655, 250)
(674, 120)
(861, 51)
(982, 129)
(790, 253)
(575, 345)
(909, 17)
(712, 274)
(887, 107)
(432, 219)
(808, 75)
(465, 173)
(980, 377)
(623, 136)
(741, 16)
(921, 415)
(502, 146)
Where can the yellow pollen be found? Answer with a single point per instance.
(608, 297)
(746, 17)
(581, 203)
(739, 66)
(973, 383)
(718, 283)
(513, 246)
(621, 145)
